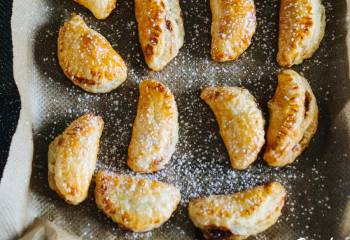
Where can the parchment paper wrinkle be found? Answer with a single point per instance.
(318, 184)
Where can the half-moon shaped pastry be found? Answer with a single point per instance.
(301, 28)
(100, 8)
(240, 121)
(155, 129)
(239, 215)
(161, 30)
(72, 158)
(293, 119)
(135, 204)
(88, 59)
(232, 29)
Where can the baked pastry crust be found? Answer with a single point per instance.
(72, 158)
(232, 29)
(293, 119)
(136, 204)
(301, 28)
(100, 8)
(155, 129)
(161, 30)
(239, 215)
(88, 59)
(240, 121)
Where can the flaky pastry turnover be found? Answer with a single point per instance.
(161, 30)
(155, 129)
(301, 28)
(293, 119)
(72, 158)
(135, 204)
(100, 8)
(88, 59)
(240, 121)
(239, 215)
(232, 29)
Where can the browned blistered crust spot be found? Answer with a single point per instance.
(154, 85)
(61, 141)
(162, 4)
(216, 233)
(155, 163)
(169, 26)
(217, 54)
(148, 50)
(82, 80)
(308, 99)
(212, 95)
(154, 41)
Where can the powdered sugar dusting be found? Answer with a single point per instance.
(200, 165)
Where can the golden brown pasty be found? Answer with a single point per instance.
(232, 29)
(293, 119)
(301, 28)
(72, 158)
(88, 59)
(136, 204)
(240, 121)
(239, 215)
(155, 129)
(100, 8)
(161, 31)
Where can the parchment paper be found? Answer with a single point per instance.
(318, 184)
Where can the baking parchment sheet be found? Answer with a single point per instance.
(318, 203)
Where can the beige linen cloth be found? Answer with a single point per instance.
(15, 212)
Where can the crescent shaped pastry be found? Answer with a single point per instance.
(100, 8)
(301, 28)
(293, 119)
(239, 215)
(135, 204)
(240, 121)
(72, 158)
(232, 29)
(155, 129)
(88, 59)
(161, 30)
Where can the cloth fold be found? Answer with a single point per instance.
(44, 230)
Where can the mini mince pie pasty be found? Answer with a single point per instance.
(161, 30)
(240, 121)
(88, 59)
(155, 129)
(100, 8)
(136, 204)
(232, 29)
(240, 215)
(301, 28)
(72, 158)
(293, 119)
